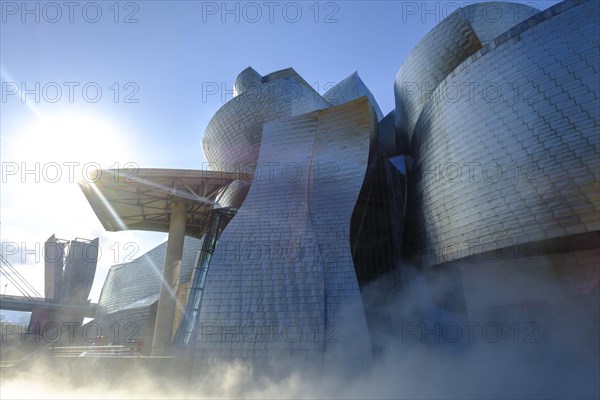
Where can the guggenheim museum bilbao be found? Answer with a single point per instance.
(483, 181)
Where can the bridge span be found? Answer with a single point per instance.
(23, 303)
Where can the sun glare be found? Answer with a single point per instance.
(73, 138)
(45, 160)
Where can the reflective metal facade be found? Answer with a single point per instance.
(232, 139)
(349, 89)
(516, 159)
(127, 304)
(457, 37)
(495, 145)
(281, 280)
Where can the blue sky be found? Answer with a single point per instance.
(146, 67)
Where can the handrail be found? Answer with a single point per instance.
(102, 351)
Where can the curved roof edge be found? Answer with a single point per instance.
(460, 35)
(351, 88)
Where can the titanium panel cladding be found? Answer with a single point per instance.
(283, 264)
(516, 161)
(458, 36)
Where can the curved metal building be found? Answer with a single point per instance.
(460, 35)
(127, 305)
(281, 280)
(232, 139)
(492, 154)
(506, 147)
(504, 186)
